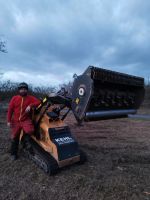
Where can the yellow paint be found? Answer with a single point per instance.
(77, 100)
(44, 100)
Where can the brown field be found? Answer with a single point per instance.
(118, 166)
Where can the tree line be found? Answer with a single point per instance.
(9, 89)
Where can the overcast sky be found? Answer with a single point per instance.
(50, 40)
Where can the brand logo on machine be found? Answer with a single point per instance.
(64, 140)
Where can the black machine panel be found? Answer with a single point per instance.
(66, 144)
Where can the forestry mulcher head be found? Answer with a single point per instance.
(103, 94)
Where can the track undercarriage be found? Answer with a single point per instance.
(40, 157)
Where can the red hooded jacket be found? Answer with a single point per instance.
(17, 107)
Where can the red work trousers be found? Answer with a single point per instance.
(26, 125)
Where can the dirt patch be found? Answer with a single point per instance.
(118, 165)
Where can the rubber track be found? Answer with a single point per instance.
(41, 158)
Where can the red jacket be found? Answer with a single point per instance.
(17, 106)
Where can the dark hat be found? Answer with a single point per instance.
(23, 85)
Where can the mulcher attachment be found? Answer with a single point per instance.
(103, 94)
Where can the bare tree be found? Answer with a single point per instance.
(3, 46)
(148, 81)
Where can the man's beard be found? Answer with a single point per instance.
(23, 94)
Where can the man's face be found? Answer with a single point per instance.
(23, 91)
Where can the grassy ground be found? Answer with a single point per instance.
(118, 165)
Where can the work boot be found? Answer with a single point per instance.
(14, 146)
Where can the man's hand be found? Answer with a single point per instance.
(8, 124)
(28, 108)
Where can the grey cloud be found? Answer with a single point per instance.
(66, 36)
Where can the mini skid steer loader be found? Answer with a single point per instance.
(97, 94)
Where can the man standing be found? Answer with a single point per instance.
(19, 116)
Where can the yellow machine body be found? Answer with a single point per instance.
(45, 141)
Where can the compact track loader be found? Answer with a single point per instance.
(97, 94)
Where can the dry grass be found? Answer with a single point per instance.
(118, 165)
